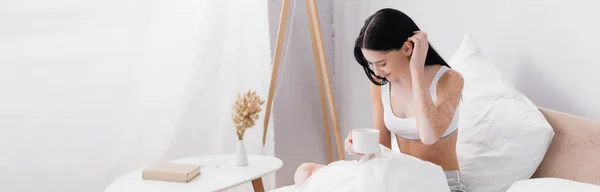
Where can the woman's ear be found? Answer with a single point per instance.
(407, 48)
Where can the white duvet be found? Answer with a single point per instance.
(388, 171)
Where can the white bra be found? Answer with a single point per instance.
(407, 127)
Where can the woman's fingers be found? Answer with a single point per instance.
(349, 138)
(348, 145)
(416, 43)
(420, 33)
(420, 36)
(350, 150)
(419, 40)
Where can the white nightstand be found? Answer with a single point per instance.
(218, 172)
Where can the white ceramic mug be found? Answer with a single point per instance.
(365, 141)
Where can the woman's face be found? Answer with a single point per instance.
(390, 64)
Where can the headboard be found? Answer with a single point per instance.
(574, 153)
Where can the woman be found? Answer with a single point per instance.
(414, 93)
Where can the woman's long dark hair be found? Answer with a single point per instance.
(387, 30)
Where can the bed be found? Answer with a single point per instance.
(574, 153)
(571, 161)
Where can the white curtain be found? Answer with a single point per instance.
(91, 89)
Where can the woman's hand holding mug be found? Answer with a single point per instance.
(362, 141)
(348, 145)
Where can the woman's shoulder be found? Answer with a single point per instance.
(376, 91)
(451, 82)
(452, 76)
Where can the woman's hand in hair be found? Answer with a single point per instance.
(420, 47)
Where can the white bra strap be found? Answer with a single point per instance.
(434, 82)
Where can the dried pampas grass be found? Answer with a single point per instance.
(246, 109)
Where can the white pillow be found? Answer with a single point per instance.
(502, 135)
(552, 185)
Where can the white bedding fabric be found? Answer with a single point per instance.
(552, 185)
(389, 171)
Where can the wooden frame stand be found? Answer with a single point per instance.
(323, 79)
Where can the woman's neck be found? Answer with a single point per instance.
(404, 80)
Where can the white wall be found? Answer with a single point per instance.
(298, 121)
(547, 49)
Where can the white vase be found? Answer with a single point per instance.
(241, 159)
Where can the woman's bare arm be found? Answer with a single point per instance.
(433, 119)
(385, 137)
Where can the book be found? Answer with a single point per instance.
(175, 172)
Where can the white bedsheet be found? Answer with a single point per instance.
(389, 171)
(552, 185)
